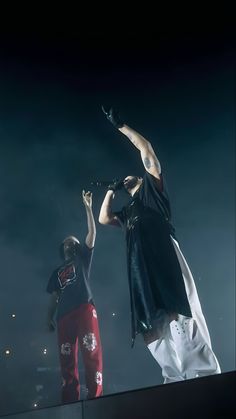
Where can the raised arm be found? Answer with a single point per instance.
(106, 215)
(91, 236)
(148, 156)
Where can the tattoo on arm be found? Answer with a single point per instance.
(147, 163)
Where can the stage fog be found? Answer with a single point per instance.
(55, 141)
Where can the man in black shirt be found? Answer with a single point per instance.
(77, 323)
(164, 302)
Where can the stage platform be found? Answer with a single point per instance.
(201, 398)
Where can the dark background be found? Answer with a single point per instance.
(175, 88)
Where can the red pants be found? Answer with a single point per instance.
(79, 328)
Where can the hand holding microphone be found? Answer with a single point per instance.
(116, 186)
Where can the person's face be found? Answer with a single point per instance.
(131, 182)
(70, 247)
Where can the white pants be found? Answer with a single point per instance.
(184, 350)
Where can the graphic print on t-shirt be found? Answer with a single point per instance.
(66, 275)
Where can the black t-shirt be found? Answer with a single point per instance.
(71, 280)
(153, 197)
(154, 194)
(154, 274)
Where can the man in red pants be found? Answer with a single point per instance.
(77, 323)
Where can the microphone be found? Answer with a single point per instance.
(104, 183)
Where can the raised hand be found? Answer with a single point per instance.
(113, 117)
(87, 198)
